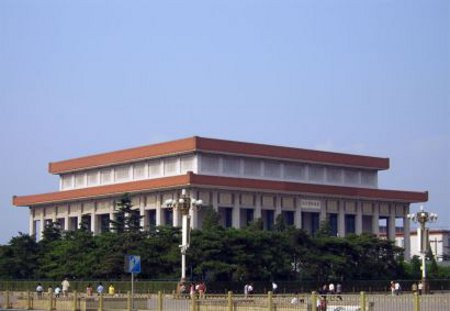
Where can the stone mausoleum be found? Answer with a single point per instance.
(241, 181)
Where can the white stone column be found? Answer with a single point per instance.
(406, 234)
(159, 211)
(323, 211)
(193, 211)
(176, 218)
(358, 218)
(258, 211)
(94, 225)
(112, 216)
(215, 201)
(376, 219)
(142, 220)
(341, 218)
(66, 221)
(79, 219)
(391, 222)
(277, 206)
(298, 214)
(236, 212)
(42, 226)
(31, 228)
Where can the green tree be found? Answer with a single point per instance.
(126, 219)
(52, 232)
(255, 225)
(324, 229)
(211, 220)
(413, 269)
(280, 224)
(18, 259)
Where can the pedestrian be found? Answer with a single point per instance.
(250, 289)
(201, 290)
(398, 288)
(331, 289)
(89, 290)
(57, 291)
(111, 290)
(322, 303)
(274, 287)
(414, 288)
(338, 288)
(420, 287)
(181, 288)
(39, 290)
(100, 289)
(192, 290)
(392, 287)
(50, 291)
(246, 290)
(65, 287)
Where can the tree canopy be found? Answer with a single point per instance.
(215, 254)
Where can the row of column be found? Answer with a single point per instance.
(236, 217)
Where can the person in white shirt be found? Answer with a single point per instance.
(398, 288)
(100, 289)
(39, 290)
(420, 287)
(65, 287)
(57, 291)
(248, 288)
(331, 288)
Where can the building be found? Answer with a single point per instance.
(439, 244)
(241, 181)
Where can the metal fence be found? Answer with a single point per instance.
(167, 286)
(228, 302)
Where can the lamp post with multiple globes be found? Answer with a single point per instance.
(185, 204)
(422, 217)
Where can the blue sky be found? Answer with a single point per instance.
(83, 77)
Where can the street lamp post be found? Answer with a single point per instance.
(184, 204)
(422, 217)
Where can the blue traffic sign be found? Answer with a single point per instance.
(133, 263)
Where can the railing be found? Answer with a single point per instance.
(230, 302)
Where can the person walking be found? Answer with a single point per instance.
(398, 288)
(89, 290)
(248, 289)
(100, 289)
(338, 288)
(331, 288)
(274, 287)
(420, 287)
(39, 290)
(111, 290)
(414, 288)
(57, 291)
(50, 291)
(65, 287)
(392, 286)
(201, 290)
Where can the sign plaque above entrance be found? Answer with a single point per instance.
(310, 204)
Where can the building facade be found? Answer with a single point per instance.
(241, 181)
(439, 244)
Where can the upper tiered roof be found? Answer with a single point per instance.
(210, 145)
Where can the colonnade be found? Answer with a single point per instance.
(363, 211)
